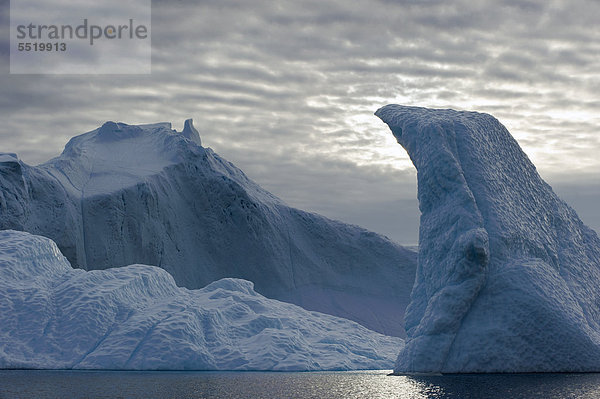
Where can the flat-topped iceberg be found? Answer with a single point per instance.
(136, 318)
(508, 277)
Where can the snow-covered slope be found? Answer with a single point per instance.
(135, 317)
(508, 278)
(147, 194)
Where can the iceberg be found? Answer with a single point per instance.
(124, 194)
(508, 276)
(135, 318)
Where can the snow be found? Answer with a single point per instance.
(113, 157)
(136, 318)
(124, 194)
(508, 275)
(190, 132)
(8, 157)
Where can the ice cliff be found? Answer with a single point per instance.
(124, 194)
(508, 276)
(135, 317)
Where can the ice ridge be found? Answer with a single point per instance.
(135, 318)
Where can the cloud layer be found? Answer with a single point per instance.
(287, 90)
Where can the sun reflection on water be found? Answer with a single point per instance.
(397, 387)
(374, 384)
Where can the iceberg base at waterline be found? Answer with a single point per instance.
(136, 318)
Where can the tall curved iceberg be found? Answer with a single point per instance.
(508, 277)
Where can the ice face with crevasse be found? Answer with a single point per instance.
(135, 318)
(508, 276)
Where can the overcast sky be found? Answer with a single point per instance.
(286, 90)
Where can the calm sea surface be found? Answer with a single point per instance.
(256, 385)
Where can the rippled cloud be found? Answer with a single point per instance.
(287, 90)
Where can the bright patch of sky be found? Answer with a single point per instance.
(287, 92)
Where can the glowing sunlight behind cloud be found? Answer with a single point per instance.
(287, 93)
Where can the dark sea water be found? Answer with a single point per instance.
(256, 385)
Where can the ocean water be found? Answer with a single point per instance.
(255, 385)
